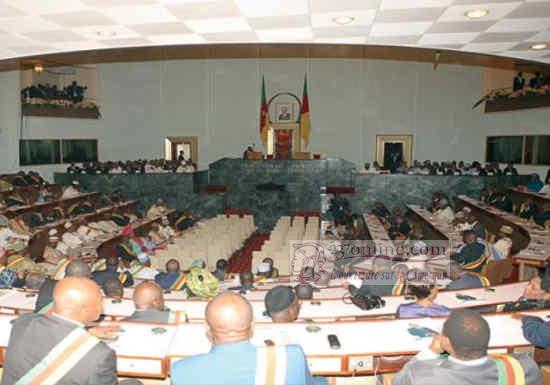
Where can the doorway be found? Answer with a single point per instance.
(176, 146)
(391, 150)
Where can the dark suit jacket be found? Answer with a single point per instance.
(103, 275)
(34, 336)
(153, 316)
(45, 295)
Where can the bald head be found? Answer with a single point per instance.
(229, 319)
(78, 269)
(78, 299)
(148, 296)
(173, 266)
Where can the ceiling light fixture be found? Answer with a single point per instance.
(539, 46)
(106, 33)
(343, 20)
(38, 68)
(477, 13)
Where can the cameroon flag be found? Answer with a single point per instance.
(264, 115)
(305, 123)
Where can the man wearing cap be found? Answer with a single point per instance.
(473, 255)
(71, 191)
(465, 337)
(229, 327)
(462, 279)
(503, 246)
(158, 209)
(282, 304)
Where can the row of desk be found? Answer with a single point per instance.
(366, 347)
(318, 309)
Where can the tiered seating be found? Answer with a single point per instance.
(209, 239)
(284, 233)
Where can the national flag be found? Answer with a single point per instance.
(305, 122)
(264, 115)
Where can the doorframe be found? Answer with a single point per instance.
(191, 140)
(406, 139)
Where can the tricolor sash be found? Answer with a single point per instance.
(136, 269)
(177, 317)
(123, 277)
(15, 260)
(510, 371)
(100, 265)
(399, 286)
(59, 272)
(61, 359)
(128, 250)
(271, 362)
(179, 282)
(72, 208)
(487, 253)
(46, 309)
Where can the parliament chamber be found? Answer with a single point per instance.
(274, 192)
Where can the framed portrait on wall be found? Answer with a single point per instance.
(285, 112)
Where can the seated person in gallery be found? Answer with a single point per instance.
(472, 255)
(267, 270)
(534, 184)
(465, 337)
(57, 347)
(112, 288)
(149, 304)
(71, 191)
(221, 269)
(44, 302)
(229, 325)
(519, 82)
(112, 263)
(422, 287)
(282, 304)
(463, 279)
(173, 278)
(510, 169)
(247, 152)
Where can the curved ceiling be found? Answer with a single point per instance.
(509, 28)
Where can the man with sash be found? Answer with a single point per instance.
(112, 264)
(149, 304)
(44, 302)
(463, 279)
(473, 255)
(173, 279)
(229, 327)
(382, 280)
(58, 348)
(465, 337)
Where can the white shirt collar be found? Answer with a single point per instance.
(68, 320)
(477, 362)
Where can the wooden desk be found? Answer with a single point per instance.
(64, 203)
(519, 196)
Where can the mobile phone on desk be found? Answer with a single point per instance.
(333, 341)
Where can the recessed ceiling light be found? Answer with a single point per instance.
(38, 68)
(477, 13)
(106, 33)
(539, 46)
(343, 20)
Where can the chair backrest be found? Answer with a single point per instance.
(497, 271)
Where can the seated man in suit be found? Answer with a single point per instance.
(282, 304)
(465, 337)
(44, 302)
(149, 304)
(382, 280)
(463, 279)
(112, 288)
(111, 271)
(229, 326)
(173, 279)
(57, 348)
(472, 255)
